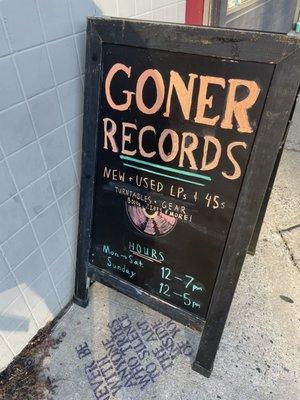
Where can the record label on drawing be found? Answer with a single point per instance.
(153, 223)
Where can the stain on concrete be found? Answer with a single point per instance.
(135, 355)
(286, 298)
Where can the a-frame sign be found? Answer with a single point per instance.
(182, 129)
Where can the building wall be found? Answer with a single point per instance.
(42, 45)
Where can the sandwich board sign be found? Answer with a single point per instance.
(182, 129)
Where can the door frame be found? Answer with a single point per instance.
(215, 11)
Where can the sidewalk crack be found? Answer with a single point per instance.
(286, 245)
(290, 228)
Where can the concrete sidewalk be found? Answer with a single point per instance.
(257, 359)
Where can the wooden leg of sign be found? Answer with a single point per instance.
(81, 295)
(197, 367)
(219, 308)
(207, 351)
(261, 216)
(213, 327)
(90, 134)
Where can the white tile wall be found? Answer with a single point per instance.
(42, 47)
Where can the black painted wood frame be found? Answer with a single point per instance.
(278, 50)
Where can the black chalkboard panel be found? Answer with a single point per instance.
(182, 129)
(162, 225)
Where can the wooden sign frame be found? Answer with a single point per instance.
(279, 50)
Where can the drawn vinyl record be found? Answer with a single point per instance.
(151, 223)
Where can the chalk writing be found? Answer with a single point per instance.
(183, 282)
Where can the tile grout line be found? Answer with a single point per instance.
(39, 302)
(40, 213)
(7, 344)
(22, 201)
(74, 34)
(9, 265)
(49, 311)
(61, 110)
(52, 88)
(37, 46)
(76, 47)
(19, 193)
(72, 154)
(176, 3)
(40, 177)
(29, 144)
(32, 282)
(82, 81)
(18, 287)
(33, 251)
(135, 6)
(25, 300)
(58, 127)
(37, 248)
(56, 84)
